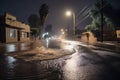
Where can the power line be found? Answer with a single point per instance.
(86, 14)
(82, 11)
(83, 19)
(86, 7)
(102, 6)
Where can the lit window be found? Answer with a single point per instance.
(23, 34)
(12, 33)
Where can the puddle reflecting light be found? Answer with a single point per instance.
(10, 48)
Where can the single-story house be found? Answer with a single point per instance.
(12, 30)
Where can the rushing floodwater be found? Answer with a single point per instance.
(82, 65)
(11, 68)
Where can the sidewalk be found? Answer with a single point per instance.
(108, 45)
(15, 46)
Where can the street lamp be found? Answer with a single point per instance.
(69, 13)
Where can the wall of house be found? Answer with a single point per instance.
(15, 31)
(24, 36)
(11, 37)
(109, 35)
(25, 33)
(118, 34)
(88, 37)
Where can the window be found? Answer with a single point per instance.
(12, 33)
(23, 34)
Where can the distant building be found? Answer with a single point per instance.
(12, 30)
(88, 37)
(109, 35)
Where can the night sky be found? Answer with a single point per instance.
(22, 9)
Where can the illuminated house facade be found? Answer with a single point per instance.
(118, 35)
(12, 30)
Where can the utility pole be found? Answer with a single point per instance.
(73, 23)
(69, 13)
(101, 31)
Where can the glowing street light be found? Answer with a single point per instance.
(69, 13)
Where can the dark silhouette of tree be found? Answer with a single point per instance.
(33, 21)
(43, 12)
(36, 22)
(111, 15)
(114, 15)
(95, 14)
(48, 28)
(78, 31)
(34, 32)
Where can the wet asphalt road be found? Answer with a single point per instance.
(14, 47)
(84, 64)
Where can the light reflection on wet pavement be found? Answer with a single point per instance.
(11, 68)
(81, 65)
(14, 47)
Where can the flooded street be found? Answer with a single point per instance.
(82, 65)
(59, 39)
(15, 47)
(11, 68)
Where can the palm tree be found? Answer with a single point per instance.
(43, 12)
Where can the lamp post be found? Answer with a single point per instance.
(69, 13)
